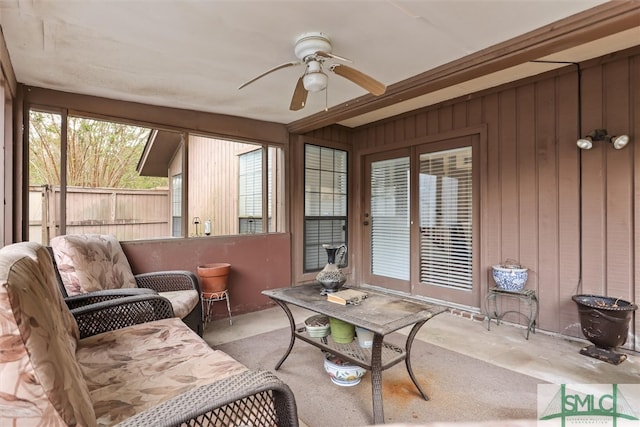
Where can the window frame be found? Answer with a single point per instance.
(252, 218)
(268, 137)
(177, 202)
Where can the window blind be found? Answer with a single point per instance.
(390, 246)
(325, 203)
(445, 187)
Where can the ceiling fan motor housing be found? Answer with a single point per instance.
(310, 43)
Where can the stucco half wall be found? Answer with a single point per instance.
(258, 262)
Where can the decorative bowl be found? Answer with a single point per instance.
(510, 279)
(317, 326)
(342, 373)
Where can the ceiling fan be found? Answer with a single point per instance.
(312, 50)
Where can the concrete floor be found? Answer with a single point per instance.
(551, 358)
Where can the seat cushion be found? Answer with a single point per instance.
(91, 262)
(183, 302)
(41, 381)
(132, 369)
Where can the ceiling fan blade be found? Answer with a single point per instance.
(331, 55)
(288, 64)
(359, 78)
(299, 98)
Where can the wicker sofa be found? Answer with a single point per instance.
(125, 361)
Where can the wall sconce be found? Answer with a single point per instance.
(601, 135)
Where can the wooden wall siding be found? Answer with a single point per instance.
(531, 210)
(611, 101)
(334, 133)
(211, 192)
(213, 183)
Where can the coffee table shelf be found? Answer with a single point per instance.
(352, 352)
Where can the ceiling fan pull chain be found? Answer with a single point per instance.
(326, 99)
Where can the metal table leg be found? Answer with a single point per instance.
(292, 323)
(376, 379)
(407, 359)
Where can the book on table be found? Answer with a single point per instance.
(347, 296)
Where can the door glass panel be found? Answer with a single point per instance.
(445, 187)
(390, 248)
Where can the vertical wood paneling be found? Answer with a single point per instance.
(213, 172)
(568, 203)
(619, 190)
(421, 124)
(459, 115)
(410, 127)
(433, 123)
(527, 162)
(548, 202)
(492, 217)
(474, 111)
(332, 133)
(508, 164)
(399, 130)
(593, 188)
(389, 134)
(445, 118)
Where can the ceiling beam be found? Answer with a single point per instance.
(595, 23)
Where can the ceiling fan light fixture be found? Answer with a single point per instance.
(315, 81)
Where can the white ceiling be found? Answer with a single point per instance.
(194, 54)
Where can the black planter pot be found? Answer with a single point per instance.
(605, 322)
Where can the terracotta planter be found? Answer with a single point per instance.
(213, 277)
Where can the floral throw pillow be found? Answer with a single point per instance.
(91, 262)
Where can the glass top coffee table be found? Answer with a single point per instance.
(381, 312)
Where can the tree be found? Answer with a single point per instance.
(99, 153)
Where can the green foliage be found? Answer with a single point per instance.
(99, 153)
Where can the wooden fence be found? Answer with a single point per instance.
(124, 213)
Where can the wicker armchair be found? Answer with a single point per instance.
(126, 361)
(96, 264)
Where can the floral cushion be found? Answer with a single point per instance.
(133, 369)
(91, 262)
(183, 302)
(42, 383)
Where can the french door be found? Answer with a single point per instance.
(420, 217)
(387, 228)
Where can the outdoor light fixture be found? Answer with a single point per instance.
(601, 135)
